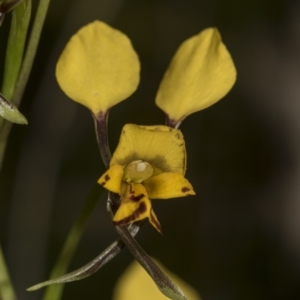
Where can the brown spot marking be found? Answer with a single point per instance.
(103, 183)
(185, 189)
(177, 135)
(107, 177)
(137, 198)
(141, 209)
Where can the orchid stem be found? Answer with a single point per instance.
(164, 284)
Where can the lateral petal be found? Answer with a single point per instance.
(168, 185)
(112, 179)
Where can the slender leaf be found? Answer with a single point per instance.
(31, 50)
(25, 71)
(87, 270)
(15, 47)
(54, 291)
(9, 112)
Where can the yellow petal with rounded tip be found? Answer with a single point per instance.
(112, 179)
(135, 205)
(98, 67)
(168, 185)
(160, 146)
(200, 74)
(136, 284)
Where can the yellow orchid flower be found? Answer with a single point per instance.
(149, 163)
(99, 68)
(136, 284)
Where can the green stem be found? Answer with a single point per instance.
(6, 289)
(25, 71)
(15, 47)
(54, 292)
(30, 51)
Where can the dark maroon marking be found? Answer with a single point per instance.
(103, 183)
(185, 189)
(137, 198)
(171, 123)
(107, 177)
(141, 209)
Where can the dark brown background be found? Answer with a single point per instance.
(239, 238)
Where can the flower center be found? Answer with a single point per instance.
(137, 171)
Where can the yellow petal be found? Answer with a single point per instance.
(112, 179)
(98, 67)
(160, 146)
(200, 74)
(136, 284)
(168, 185)
(135, 205)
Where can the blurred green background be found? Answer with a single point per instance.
(239, 238)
